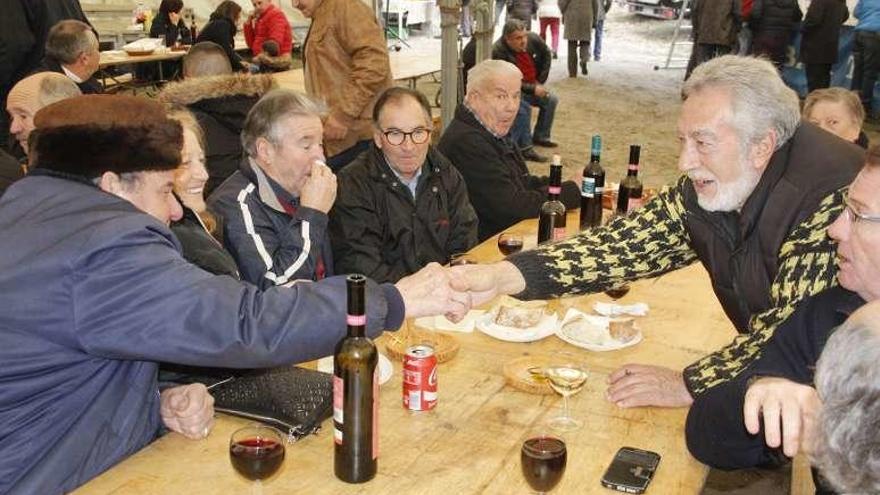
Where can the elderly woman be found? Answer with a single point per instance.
(839, 112)
(198, 229)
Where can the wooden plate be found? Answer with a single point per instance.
(139, 53)
(518, 376)
(445, 346)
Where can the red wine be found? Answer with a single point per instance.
(543, 462)
(551, 222)
(617, 291)
(355, 393)
(256, 458)
(629, 196)
(592, 187)
(510, 246)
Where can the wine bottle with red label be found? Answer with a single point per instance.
(551, 223)
(355, 393)
(629, 196)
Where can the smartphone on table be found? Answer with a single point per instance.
(631, 470)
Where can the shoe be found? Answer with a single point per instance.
(555, 55)
(531, 155)
(545, 143)
(584, 67)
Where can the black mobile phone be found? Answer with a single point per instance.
(631, 470)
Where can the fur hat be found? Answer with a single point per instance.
(92, 134)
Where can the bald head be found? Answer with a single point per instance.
(31, 94)
(206, 59)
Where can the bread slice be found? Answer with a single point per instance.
(518, 314)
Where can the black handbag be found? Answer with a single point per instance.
(294, 400)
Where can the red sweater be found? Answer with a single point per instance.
(271, 25)
(527, 67)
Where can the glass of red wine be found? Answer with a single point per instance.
(510, 243)
(543, 458)
(256, 453)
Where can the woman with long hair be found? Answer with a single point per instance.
(221, 29)
(169, 24)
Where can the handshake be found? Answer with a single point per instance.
(453, 291)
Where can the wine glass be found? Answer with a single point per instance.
(256, 453)
(543, 458)
(510, 243)
(618, 290)
(458, 259)
(566, 375)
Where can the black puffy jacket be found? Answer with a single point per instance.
(775, 15)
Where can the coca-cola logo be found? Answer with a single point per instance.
(432, 380)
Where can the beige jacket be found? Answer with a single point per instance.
(346, 65)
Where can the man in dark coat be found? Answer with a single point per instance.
(72, 50)
(220, 101)
(401, 204)
(500, 187)
(522, 10)
(532, 56)
(773, 23)
(716, 24)
(819, 42)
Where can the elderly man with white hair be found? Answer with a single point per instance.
(759, 188)
(499, 185)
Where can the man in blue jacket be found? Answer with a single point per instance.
(95, 293)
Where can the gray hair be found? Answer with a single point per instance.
(69, 39)
(489, 70)
(54, 89)
(760, 100)
(848, 383)
(264, 118)
(511, 26)
(206, 59)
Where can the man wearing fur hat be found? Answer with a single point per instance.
(102, 294)
(220, 100)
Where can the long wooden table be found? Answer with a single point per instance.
(471, 442)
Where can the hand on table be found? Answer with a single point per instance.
(789, 410)
(188, 410)
(434, 290)
(637, 385)
(334, 129)
(319, 190)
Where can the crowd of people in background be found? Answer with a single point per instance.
(191, 249)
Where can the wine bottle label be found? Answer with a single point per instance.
(598, 190)
(558, 233)
(554, 190)
(634, 204)
(632, 167)
(338, 389)
(356, 320)
(588, 187)
(376, 412)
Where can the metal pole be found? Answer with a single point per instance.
(450, 14)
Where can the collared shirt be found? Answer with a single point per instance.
(469, 109)
(410, 184)
(71, 75)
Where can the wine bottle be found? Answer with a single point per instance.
(629, 196)
(592, 187)
(355, 394)
(551, 223)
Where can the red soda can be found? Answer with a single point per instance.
(420, 378)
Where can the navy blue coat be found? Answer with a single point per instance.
(93, 294)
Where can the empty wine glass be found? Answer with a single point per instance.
(566, 375)
(510, 243)
(543, 458)
(256, 453)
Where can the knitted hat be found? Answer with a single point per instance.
(92, 134)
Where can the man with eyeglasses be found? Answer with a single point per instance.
(401, 204)
(768, 412)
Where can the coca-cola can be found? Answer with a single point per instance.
(420, 378)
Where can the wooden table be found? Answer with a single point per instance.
(471, 442)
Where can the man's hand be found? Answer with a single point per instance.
(334, 129)
(789, 411)
(541, 91)
(484, 282)
(637, 385)
(434, 290)
(188, 410)
(319, 191)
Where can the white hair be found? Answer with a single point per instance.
(489, 70)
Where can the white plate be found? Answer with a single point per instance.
(545, 328)
(386, 369)
(594, 336)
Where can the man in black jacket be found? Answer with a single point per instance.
(773, 23)
(72, 50)
(820, 39)
(501, 189)
(401, 204)
(220, 100)
(723, 427)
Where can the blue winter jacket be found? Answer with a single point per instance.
(93, 294)
(868, 14)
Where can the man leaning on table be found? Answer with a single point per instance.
(759, 190)
(102, 294)
(769, 412)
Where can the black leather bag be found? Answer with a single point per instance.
(294, 400)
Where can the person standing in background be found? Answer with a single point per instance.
(866, 51)
(819, 43)
(548, 16)
(522, 10)
(715, 30)
(577, 17)
(602, 8)
(773, 23)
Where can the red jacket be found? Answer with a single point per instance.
(271, 25)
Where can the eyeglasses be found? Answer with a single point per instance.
(396, 137)
(855, 217)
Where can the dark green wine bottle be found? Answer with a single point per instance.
(551, 222)
(592, 187)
